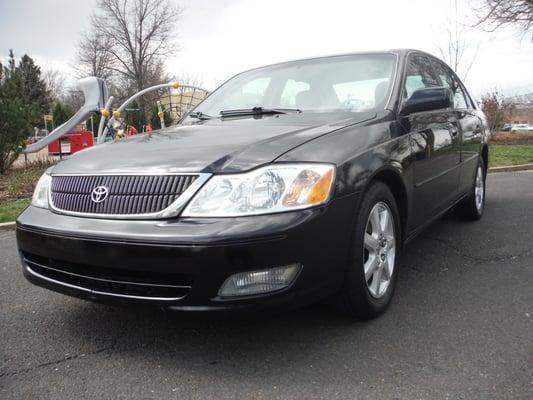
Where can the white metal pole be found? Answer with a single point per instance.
(103, 115)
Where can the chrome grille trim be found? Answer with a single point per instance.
(95, 278)
(99, 292)
(29, 263)
(171, 211)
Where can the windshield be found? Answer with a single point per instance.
(352, 83)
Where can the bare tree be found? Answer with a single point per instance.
(456, 45)
(55, 83)
(94, 57)
(495, 14)
(138, 36)
(74, 98)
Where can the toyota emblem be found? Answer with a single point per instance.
(99, 194)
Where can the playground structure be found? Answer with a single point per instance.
(70, 143)
(180, 100)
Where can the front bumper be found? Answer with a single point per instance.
(181, 263)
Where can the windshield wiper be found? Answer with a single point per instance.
(200, 115)
(258, 111)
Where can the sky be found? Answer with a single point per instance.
(219, 38)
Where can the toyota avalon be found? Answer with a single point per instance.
(289, 184)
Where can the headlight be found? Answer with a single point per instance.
(271, 189)
(40, 195)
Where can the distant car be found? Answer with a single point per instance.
(521, 128)
(289, 184)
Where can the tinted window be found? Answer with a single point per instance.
(419, 75)
(448, 79)
(459, 98)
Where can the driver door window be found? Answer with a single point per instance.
(419, 75)
(448, 80)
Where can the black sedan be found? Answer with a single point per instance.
(289, 184)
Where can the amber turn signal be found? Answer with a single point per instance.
(321, 189)
(309, 188)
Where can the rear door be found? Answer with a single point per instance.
(435, 145)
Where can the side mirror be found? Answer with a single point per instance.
(427, 99)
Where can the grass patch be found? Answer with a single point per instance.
(16, 189)
(510, 154)
(19, 182)
(10, 210)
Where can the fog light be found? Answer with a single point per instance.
(258, 282)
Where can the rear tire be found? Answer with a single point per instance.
(372, 270)
(472, 207)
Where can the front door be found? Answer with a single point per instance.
(469, 123)
(435, 146)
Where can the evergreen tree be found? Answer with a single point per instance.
(134, 116)
(15, 115)
(32, 87)
(62, 113)
(156, 122)
(95, 124)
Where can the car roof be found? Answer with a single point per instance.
(398, 52)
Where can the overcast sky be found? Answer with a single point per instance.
(222, 37)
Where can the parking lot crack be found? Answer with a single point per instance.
(60, 361)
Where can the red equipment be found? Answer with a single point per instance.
(131, 130)
(71, 142)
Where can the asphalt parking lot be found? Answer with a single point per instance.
(460, 327)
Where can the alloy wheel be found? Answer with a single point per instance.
(479, 189)
(379, 249)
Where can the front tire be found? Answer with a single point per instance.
(472, 207)
(372, 271)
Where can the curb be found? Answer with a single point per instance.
(510, 168)
(7, 226)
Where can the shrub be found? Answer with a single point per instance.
(497, 109)
(512, 138)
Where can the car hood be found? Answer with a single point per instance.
(208, 146)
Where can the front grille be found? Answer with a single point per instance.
(111, 281)
(127, 194)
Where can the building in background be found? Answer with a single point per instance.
(522, 114)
